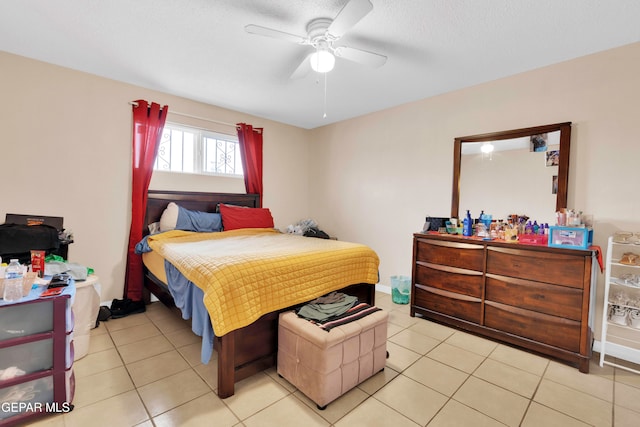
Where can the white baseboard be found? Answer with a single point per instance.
(619, 351)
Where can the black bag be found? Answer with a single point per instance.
(436, 222)
(315, 232)
(18, 240)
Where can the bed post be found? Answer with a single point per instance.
(226, 364)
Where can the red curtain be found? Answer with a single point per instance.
(148, 123)
(250, 139)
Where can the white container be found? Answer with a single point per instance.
(85, 309)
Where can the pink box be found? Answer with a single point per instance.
(533, 239)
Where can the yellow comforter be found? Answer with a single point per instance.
(247, 273)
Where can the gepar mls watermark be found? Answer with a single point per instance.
(15, 408)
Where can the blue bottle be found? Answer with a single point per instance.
(467, 225)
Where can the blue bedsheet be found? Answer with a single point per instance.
(189, 299)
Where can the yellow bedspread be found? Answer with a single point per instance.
(247, 273)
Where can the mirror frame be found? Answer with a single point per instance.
(563, 165)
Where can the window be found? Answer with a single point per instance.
(185, 149)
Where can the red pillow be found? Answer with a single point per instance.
(234, 217)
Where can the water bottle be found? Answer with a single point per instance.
(13, 281)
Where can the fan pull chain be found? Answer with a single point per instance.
(324, 115)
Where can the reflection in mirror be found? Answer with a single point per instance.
(511, 178)
(522, 171)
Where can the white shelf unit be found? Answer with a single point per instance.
(622, 294)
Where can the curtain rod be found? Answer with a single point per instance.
(193, 117)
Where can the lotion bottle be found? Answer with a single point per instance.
(467, 225)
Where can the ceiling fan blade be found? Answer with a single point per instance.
(360, 56)
(303, 69)
(269, 32)
(351, 13)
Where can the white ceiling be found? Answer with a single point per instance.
(199, 49)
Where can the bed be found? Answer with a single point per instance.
(242, 350)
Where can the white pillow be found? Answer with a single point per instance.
(169, 217)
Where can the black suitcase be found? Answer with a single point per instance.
(18, 240)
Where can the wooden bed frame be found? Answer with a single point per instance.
(245, 351)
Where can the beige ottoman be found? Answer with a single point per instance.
(325, 365)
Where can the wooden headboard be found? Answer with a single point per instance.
(196, 201)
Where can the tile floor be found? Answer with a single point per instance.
(144, 370)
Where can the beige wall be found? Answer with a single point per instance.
(65, 150)
(376, 177)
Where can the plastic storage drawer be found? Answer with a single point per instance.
(29, 357)
(22, 397)
(570, 237)
(26, 319)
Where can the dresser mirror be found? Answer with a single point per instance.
(521, 171)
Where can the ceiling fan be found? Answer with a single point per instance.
(322, 34)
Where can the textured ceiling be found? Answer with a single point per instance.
(199, 49)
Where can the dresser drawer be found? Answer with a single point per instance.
(451, 279)
(449, 303)
(34, 356)
(546, 267)
(26, 319)
(462, 255)
(23, 397)
(561, 301)
(29, 357)
(543, 328)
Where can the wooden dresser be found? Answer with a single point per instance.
(534, 297)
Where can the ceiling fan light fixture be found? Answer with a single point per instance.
(322, 61)
(487, 147)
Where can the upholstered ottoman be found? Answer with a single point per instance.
(325, 365)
